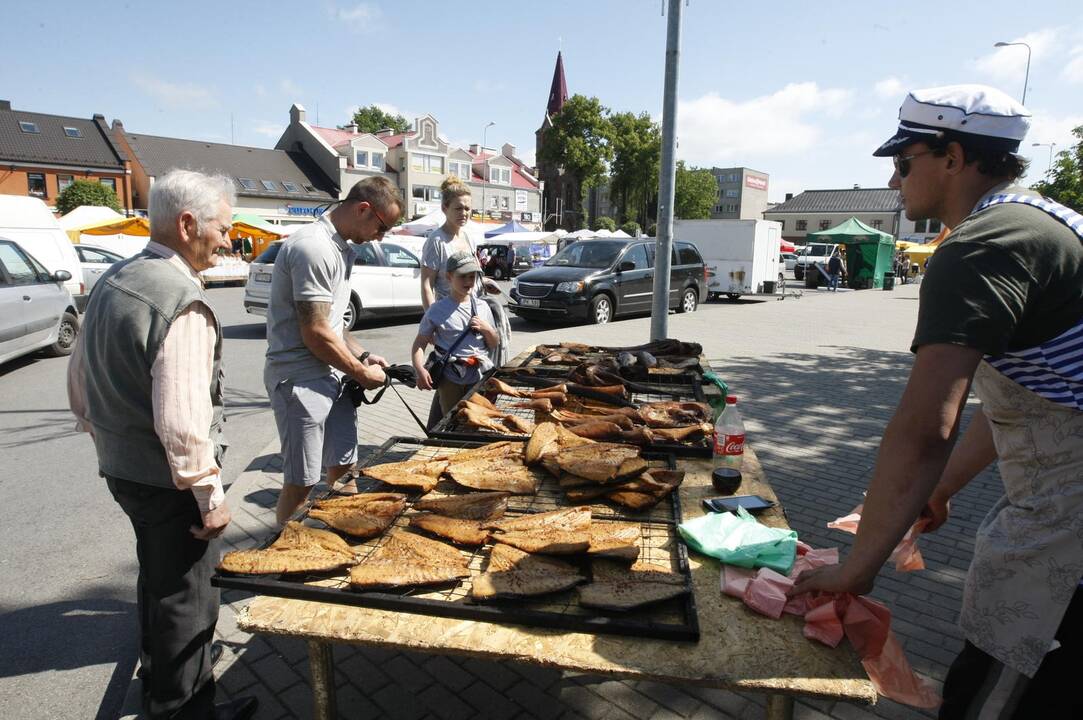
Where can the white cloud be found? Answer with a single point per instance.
(271, 130)
(188, 96)
(889, 88)
(361, 18)
(1073, 70)
(1008, 65)
(714, 130)
(289, 87)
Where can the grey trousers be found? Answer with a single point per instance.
(178, 608)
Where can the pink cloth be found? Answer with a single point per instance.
(735, 580)
(906, 555)
(800, 604)
(766, 592)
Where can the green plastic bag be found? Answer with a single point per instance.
(717, 402)
(740, 540)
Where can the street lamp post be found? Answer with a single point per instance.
(1026, 77)
(485, 181)
(1050, 145)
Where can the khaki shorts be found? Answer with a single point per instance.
(317, 426)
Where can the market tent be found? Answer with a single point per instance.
(262, 232)
(525, 236)
(136, 226)
(869, 252)
(784, 246)
(512, 227)
(603, 233)
(86, 215)
(581, 234)
(620, 234)
(427, 223)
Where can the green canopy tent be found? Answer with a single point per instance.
(869, 252)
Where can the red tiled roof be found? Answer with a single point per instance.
(392, 140)
(518, 178)
(336, 138)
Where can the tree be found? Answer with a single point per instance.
(605, 222)
(370, 119)
(695, 193)
(578, 141)
(86, 192)
(637, 148)
(1064, 181)
(631, 227)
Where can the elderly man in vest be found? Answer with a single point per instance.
(1002, 308)
(145, 381)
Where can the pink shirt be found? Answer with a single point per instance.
(181, 417)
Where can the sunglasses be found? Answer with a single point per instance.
(384, 224)
(902, 162)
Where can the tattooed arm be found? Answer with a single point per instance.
(332, 349)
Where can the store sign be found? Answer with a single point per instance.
(520, 199)
(303, 211)
(424, 208)
(756, 183)
(526, 217)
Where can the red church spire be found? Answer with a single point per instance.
(558, 93)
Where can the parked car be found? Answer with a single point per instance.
(29, 222)
(597, 280)
(790, 259)
(497, 261)
(94, 261)
(812, 254)
(385, 281)
(36, 309)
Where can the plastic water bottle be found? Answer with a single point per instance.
(729, 436)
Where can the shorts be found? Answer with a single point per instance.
(317, 427)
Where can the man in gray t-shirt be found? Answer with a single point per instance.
(309, 353)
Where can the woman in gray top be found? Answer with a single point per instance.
(445, 241)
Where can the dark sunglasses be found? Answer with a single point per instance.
(384, 224)
(902, 162)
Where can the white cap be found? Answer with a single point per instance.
(977, 115)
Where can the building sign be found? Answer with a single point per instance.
(424, 208)
(526, 216)
(304, 211)
(756, 183)
(520, 199)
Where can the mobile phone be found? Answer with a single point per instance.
(751, 503)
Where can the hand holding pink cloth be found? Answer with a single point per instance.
(906, 555)
(766, 592)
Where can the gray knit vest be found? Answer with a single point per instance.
(129, 314)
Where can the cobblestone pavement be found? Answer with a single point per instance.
(818, 378)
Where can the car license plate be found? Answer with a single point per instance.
(528, 302)
(263, 277)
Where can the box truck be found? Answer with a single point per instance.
(741, 256)
(30, 223)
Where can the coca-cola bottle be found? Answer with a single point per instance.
(729, 436)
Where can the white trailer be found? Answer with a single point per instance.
(740, 255)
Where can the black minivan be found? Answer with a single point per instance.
(598, 279)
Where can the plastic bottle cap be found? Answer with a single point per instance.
(731, 399)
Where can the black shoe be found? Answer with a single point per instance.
(242, 708)
(216, 653)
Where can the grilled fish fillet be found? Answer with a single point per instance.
(560, 532)
(513, 573)
(363, 515)
(403, 479)
(646, 490)
(459, 531)
(297, 549)
(601, 462)
(615, 539)
(475, 506)
(500, 474)
(618, 588)
(407, 559)
(504, 448)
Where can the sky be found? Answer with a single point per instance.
(802, 91)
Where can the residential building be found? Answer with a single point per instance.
(742, 193)
(280, 187)
(417, 161)
(880, 208)
(42, 154)
(561, 202)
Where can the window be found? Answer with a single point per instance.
(504, 202)
(426, 192)
(494, 202)
(802, 225)
(824, 224)
(731, 193)
(290, 187)
(110, 183)
(921, 226)
(501, 176)
(877, 224)
(461, 169)
(102, 257)
(73, 132)
(397, 256)
(28, 127)
(637, 255)
(361, 158)
(427, 163)
(687, 255)
(378, 160)
(20, 268)
(934, 226)
(248, 183)
(269, 185)
(63, 181)
(309, 189)
(35, 183)
(364, 254)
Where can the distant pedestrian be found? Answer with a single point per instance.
(834, 271)
(145, 381)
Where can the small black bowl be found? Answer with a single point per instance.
(726, 480)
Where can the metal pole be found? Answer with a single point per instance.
(668, 172)
(485, 181)
(1026, 76)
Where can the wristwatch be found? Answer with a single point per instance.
(363, 356)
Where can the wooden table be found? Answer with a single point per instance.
(738, 649)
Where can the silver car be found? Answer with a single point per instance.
(94, 261)
(36, 310)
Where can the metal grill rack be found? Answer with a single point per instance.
(673, 619)
(451, 427)
(685, 385)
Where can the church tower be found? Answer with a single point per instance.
(561, 196)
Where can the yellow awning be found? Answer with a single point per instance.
(242, 229)
(135, 226)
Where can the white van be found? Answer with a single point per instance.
(28, 221)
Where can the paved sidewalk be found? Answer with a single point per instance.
(818, 378)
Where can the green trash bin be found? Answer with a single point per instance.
(889, 280)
